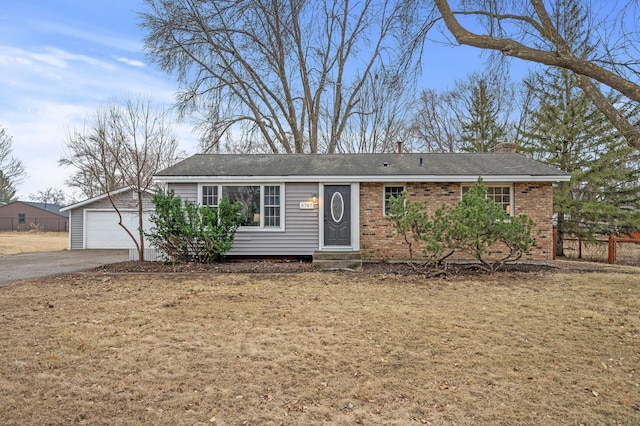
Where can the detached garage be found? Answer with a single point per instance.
(102, 230)
(93, 223)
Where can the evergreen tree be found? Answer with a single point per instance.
(567, 131)
(480, 129)
(7, 190)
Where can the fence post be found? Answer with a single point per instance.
(579, 248)
(555, 239)
(612, 249)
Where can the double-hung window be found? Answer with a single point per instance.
(501, 194)
(272, 206)
(391, 191)
(209, 195)
(261, 204)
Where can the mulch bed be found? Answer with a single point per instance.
(298, 266)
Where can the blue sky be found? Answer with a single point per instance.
(60, 60)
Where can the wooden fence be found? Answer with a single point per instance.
(605, 249)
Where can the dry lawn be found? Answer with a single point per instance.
(321, 348)
(29, 242)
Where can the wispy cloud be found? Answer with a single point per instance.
(49, 56)
(92, 35)
(131, 62)
(56, 70)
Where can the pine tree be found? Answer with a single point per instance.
(480, 130)
(7, 190)
(567, 131)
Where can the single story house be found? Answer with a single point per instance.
(303, 204)
(27, 215)
(94, 223)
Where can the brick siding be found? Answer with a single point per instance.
(379, 240)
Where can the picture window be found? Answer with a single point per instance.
(261, 204)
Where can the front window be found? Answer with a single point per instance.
(501, 194)
(249, 197)
(22, 217)
(271, 206)
(261, 204)
(209, 195)
(391, 191)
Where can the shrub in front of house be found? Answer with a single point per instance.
(411, 220)
(473, 226)
(186, 232)
(478, 224)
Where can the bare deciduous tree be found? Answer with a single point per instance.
(11, 168)
(381, 118)
(287, 76)
(435, 127)
(122, 145)
(526, 29)
(49, 196)
(470, 117)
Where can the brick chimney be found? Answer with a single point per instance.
(399, 148)
(504, 148)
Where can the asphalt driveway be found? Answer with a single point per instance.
(34, 265)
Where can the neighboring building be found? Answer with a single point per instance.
(94, 223)
(297, 205)
(26, 215)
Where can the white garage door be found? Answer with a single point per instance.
(102, 230)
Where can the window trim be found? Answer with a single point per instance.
(261, 227)
(495, 185)
(384, 196)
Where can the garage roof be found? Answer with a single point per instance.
(98, 198)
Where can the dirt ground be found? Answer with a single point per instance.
(30, 242)
(273, 343)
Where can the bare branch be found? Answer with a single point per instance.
(287, 74)
(122, 146)
(561, 55)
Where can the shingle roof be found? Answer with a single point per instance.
(420, 166)
(53, 208)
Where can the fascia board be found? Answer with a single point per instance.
(98, 198)
(377, 178)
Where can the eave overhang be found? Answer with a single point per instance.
(347, 178)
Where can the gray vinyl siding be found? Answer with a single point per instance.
(76, 228)
(186, 191)
(125, 202)
(300, 236)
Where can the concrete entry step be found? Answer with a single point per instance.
(337, 260)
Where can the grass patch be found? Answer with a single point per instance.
(30, 242)
(314, 348)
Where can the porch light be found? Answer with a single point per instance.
(314, 198)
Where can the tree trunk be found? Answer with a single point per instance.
(560, 236)
(140, 227)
